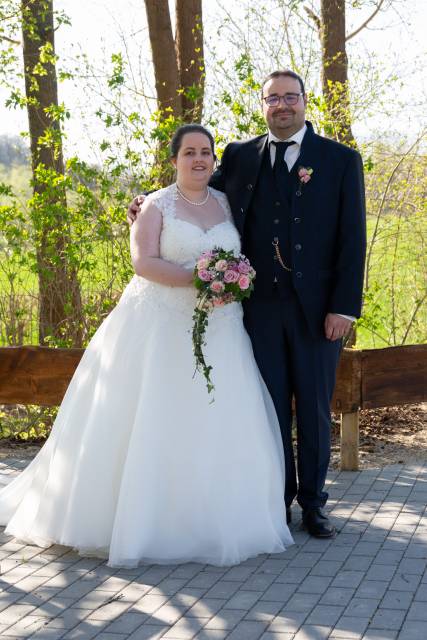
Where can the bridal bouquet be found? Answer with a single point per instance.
(221, 277)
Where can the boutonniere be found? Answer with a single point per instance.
(304, 175)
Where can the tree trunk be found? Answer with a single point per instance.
(179, 71)
(164, 58)
(335, 70)
(59, 292)
(190, 57)
(178, 65)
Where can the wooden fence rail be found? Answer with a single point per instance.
(366, 379)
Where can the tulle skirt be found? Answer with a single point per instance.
(141, 465)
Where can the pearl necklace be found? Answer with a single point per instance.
(196, 204)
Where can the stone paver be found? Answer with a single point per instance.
(369, 583)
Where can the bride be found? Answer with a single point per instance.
(140, 465)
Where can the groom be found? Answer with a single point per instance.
(298, 202)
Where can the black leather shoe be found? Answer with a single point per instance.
(317, 523)
(288, 515)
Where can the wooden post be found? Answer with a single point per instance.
(350, 441)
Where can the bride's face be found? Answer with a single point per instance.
(194, 162)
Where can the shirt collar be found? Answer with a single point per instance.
(296, 137)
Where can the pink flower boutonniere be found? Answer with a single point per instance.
(304, 175)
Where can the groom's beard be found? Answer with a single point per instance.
(284, 118)
(284, 123)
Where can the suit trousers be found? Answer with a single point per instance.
(296, 364)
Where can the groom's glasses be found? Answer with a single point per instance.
(289, 99)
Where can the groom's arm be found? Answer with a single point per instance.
(346, 295)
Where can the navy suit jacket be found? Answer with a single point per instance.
(327, 219)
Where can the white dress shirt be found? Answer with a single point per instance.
(292, 152)
(291, 156)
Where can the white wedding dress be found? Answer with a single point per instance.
(140, 465)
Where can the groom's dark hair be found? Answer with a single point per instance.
(287, 73)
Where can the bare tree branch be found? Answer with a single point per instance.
(10, 40)
(381, 208)
(367, 21)
(289, 43)
(314, 17)
(418, 306)
(15, 14)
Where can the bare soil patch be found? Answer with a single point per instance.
(390, 435)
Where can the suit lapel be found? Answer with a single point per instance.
(253, 161)
(309, 157)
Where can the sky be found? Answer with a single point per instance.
(100, 27)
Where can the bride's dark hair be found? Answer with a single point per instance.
(177, 137)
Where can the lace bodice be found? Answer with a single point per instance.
(182, 242)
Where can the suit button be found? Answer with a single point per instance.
(298, 247)
(297, 220)
(241, 210)
(298, 274)
(277, 203)
(276, 221)
(250, 187)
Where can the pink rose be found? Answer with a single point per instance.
(205, 275)
(231, 276)
(203, 263)
(304, 174)
(244, 282)
(218, 302)
(221, 265)
(243, 267)
(217, 286)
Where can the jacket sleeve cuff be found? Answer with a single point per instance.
(351, 318)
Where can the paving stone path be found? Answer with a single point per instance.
(369, 583)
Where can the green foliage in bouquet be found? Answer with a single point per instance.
(221, 277)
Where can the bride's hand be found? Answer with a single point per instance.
(134, 208)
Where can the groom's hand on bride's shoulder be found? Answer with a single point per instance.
(133, 209)
(336, 327)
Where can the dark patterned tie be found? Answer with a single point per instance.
(280, 168)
